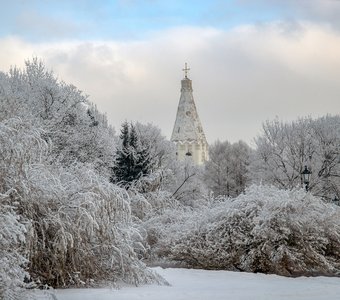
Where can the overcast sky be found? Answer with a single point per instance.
(250, 60)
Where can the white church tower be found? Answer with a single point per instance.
(188, 133)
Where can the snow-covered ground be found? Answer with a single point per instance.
(216, 285)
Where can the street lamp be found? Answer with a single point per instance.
(306, 176)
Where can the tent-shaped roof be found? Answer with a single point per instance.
(188, 127)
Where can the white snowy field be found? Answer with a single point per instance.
(187, 284)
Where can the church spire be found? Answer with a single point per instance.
(188, 131)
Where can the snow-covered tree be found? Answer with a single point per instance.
(162, 151)
(77, 130)
(187, 184)
(226, 171)
(284, 149)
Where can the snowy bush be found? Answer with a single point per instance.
(81, 229)
(78, 225)
(264, 230)
(12, 262)
(166, 221)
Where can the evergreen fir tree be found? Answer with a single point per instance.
(133, 159)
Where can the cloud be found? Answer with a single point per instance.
(317, 9)
(325, 11)
(240, 77)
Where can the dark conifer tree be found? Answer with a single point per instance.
(133, 159)
(121, 169)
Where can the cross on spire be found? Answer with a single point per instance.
(186, 69)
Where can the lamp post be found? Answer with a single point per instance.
(306, 176)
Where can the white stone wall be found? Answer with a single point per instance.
(198, 151)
